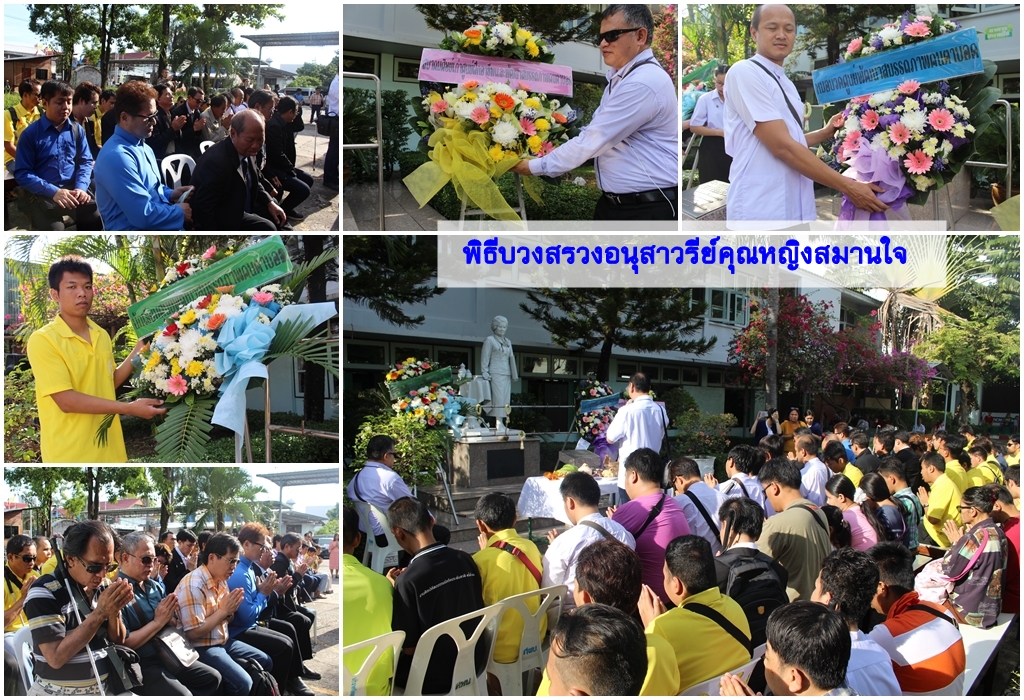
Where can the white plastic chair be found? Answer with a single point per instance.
(22, 644)
(382, 557)
(713, 686)
(173, 165)
(466, 678)
(203, 146)
(530, 653)
(355, 683)
(759, 651)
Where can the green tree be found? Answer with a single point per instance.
(637, 320)
(209, 496)
(830, 26)
(559, 23)
(74, 502)
(329, 528)
(38, 485)
(207, 46)
(117, 24)
(117, 482)
(65, 25)
(994, 289)
(388, 272)
(312, 71)
(166, 483)
(717, 31)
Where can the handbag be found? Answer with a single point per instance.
(127, 669)
(175, 651)
(934, 586)
(326, 123)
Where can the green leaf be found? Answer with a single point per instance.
(190, 398)
(287, 334)
(101, 433)
(185, 431)
(300, 272)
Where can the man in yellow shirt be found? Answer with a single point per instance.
(25, 112)
(984, 469)
(834, 457)
(509, 565)
(1012, 451)
(18, 576)
(940, 504)
(73, 363)
(708, 630)
(950, 446)
(105, 105)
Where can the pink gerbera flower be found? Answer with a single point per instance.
(528, 126)
(899, 133)
(439, 106)
(855, 45)
(869, 120)
(941, 119)
(545, 148)
(210, 252)
(851, 141)
(263, 298)
(918, 29)
(176, 385)
(480, 115)
(918, 162)
(909, 87)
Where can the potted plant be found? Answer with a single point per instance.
(991, 148)
(702, 435)
(360, 121)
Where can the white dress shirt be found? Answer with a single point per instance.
(709, 112)
(378, 485)
(730, 489)
(813, 477)
(640, 423)
(712, 500)
(331, 105)
(763, 188)
(869, 670)
(635, 129)
(562, 554)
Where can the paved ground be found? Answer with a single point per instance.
(401, 211)
(326, 647)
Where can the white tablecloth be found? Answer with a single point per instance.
(478, 388)
(540, 497)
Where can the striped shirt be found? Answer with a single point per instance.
(927, 653)
(51, 618)
(199, 596)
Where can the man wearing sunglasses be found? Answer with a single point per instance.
(18, 576)
(634, 135)
(130, 192)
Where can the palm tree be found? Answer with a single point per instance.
(219, 492)
(207, 45)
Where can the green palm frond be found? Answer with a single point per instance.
(301, 271)
(101, 433)
(185, 431)
(319, 350)
(286, 335)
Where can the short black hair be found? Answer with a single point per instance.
(83, 91)
(195, 90)
(747, 459)
(611, 573)
(895, 565)
(955, 444)
(27, 86)
(165, 534)
(841, 429)
(721, 69)
(887, 439)
(893, 466)
(378, 446)
(77, 537)
(812, 638)
(68, 263)
(1000, 493)
(222, 544)
(185, 535)
(689, 559)
(985, 443)
(859, 438)
(684, 467)
(977, 449)
(218, 101)
(841, 485)
(106, 95)
(581, 487)
(407, 514)
(286, 104)
(933, 459)
(1012, 473)
(601, 649)
(260, 97)
(807, 442)
(772, 444)
(17, 544)
(496, 510)
(52, 88)
(647, 464)
(782, 471)
(980, 498)
(966, 430)
(834, 450)
(901, 435)
(160, 87)
(744, 516)
(291, 538)
(641, 383)
(852, 578)
(634, 16)
(203, 538)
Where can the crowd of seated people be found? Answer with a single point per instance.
(238, 599)
(243, 173)
(833, 592)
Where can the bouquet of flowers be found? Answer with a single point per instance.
(432, 405)
(592, 389)
(500, 40)
(189, 266)
(594, 424)
(411, 367)
(913, 139)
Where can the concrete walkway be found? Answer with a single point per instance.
(975, 217)
(401, 211)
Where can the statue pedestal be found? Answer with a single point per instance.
(491, 460)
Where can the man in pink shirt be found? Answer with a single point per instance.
(650, 516)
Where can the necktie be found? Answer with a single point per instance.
(248, 186)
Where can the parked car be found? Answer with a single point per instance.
(325, 542)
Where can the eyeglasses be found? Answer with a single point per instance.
(27, 558)
(146, 561)
(231, 562)
(94, 569)
(612, 35)
(386, 454)
(147, 117)
(963, 508)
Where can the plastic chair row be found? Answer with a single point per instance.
(22, 644)
(374, 556)
(713, 686)
(467, 678)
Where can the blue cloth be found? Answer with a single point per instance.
(634, 133)
(45, 161)
(129, 191)
(253, 602)
(234, 679)
(148, 595)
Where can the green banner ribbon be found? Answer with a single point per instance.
(250, 267)
(402, 387)
(702, 74)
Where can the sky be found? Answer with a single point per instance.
(297, 19)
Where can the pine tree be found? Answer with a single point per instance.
(386, 272)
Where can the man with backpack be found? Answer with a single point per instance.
(750, 577)
(18, 118)
(700, 502)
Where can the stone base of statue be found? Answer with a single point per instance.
(494, 460)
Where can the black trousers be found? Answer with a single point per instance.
(255, 222)
(296, 627)
(714, 162)
(86, 217)
(331, 158)
(297, 186)
(197, 679)
(661, 210)
(287, 662)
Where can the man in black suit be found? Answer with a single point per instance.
(191, 133)
(183, 559)
(290, 608)
(281, 157)
(228, 193)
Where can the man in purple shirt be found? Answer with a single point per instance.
(651, 517)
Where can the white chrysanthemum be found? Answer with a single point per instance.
(505, 133)
(930, 147)
(881, 140)
(207, 384)
(867, 51)
(502, 31)
(230, 306)
(911, 105)
(492, 43)
(250, 291)
(189, 344)
(522, 94)
(878, 99)
(495, 88)
(897, 151)
(161, 385)
(931, 98)
(450, 97)
(207, 342)
(947, 148)
(890, 35)
(464, 110)
(923, 182)
(554, 104)
(264, 319)
(852, 123)
(529, 113)
(949, 102)
(272, 288)
(915, 121)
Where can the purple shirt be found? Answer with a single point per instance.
(651, 544)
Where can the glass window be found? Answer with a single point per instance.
(402, 354)
(714, 377)
(651, 371)
(360, 354)
(691, 375)
(718, 304)
(670, 374)
(535, 364)
(589, 367)
(626, 369)
(453, 357)
(728, 307)
(564, 365)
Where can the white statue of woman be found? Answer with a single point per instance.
(499, 368)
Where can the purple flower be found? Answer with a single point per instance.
(887, 120)
(944, 88)
(939, 164)
(876, 43)
(892, 105)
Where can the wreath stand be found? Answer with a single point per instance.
(521, 209)
(268, 428)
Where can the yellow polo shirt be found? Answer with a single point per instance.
(367, 605)
(11, 596)
(1012, 460)
(503, 576)
(97, 127)
(662, 677)
(942, 502)
(852, 473)
(985, 473)
(13, 131)
(958, 475)
(61, 360)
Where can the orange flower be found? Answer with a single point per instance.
(226, 290)
(473, 33)
(215, 321)
(471, 85)
(504, 100)
(559, 117)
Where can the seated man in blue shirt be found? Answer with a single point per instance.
(129, 190)
(53, 165)
(288, 669)
(150, 612)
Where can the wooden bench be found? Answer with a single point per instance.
(982, 647)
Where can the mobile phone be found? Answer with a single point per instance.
(184, 196)
(762, 414)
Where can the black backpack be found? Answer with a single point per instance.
(262, 682)
(755, 585)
